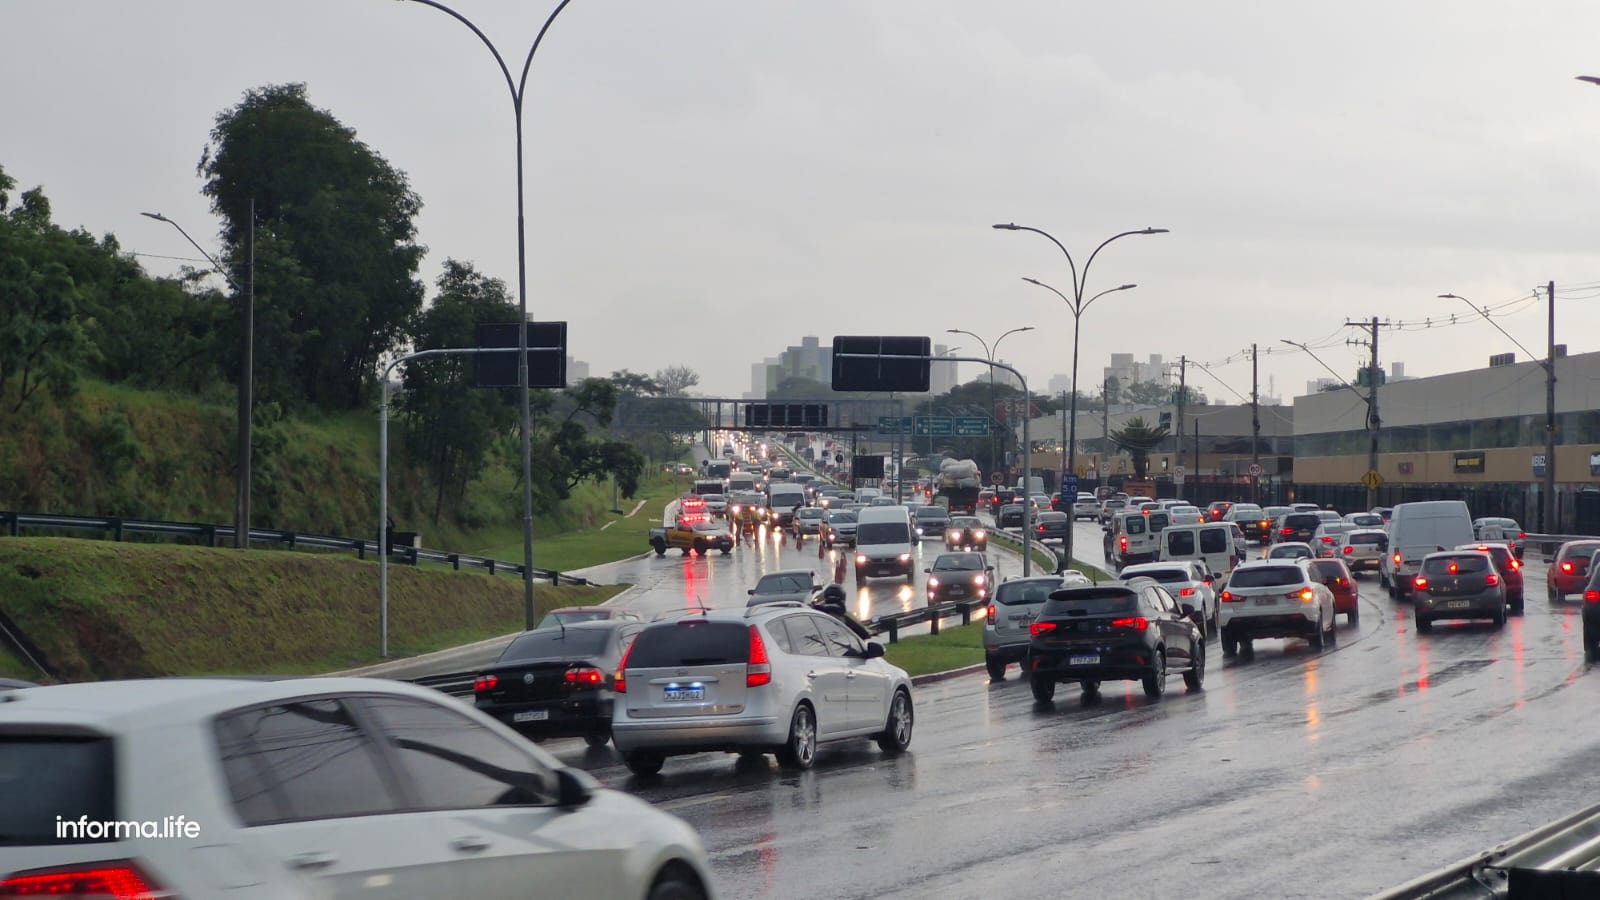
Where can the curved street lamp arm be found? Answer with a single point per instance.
(1343, 382)
(1071, 306)
(1109, 240)
(1124, 287)
(1487, 318)
(216, 265)
(986, 353)
(526, 64)
(516, 93)
(1076, 291)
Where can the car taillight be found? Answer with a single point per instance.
(1186, 592)
(1228, 597)
(1591, 596)
(1038, 628)
(116, 878)
(1304, 595)
(1124, 542)
(1326, 539)
(1566, 567)
(1491, 579)
(759, 671)
(1349, 549)
(1522, 535)
(1136, 623)
(485, 683)
(1515, 564)
(988, 615)
(1397, 559)
(1041, 529)
(1287, 531)
(585, 675)
(1420, 583)
(620, 683)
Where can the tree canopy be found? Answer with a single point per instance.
(1138, 438)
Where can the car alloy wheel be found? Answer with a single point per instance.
(896, 735)
(1155, 684)
(801, 750)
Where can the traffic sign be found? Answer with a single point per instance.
(972, 426)
(894, 424)
(934, 426)
(1372, 479)
(1069, 486)
(1179, 472)
(1255, 470)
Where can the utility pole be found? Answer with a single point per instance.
(1183, 370)
(1373, 421)
(1551, 526)
(1105, 431)
(1064, 472)
(1255, 428)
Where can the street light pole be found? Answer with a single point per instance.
(247, 368)
(989, 354)
(1078, 306)
(517, 89)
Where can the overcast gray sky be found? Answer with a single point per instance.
(708, 180)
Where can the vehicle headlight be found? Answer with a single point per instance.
(861, 559)
(978, 534)
(933, 582)
(905, 557)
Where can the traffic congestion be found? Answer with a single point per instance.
(1235, 693)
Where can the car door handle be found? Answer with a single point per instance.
(316, 859)
(849, 675)
(811, 674)
(469, 843)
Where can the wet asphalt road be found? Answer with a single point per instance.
(1297, 774)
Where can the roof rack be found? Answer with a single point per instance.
(774, 604)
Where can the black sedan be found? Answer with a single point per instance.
(1052, 526)
(958, 576)
(556, 682)
(1114, 631)
(1009, 516)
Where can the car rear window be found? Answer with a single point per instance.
(1133, 525)
(557, 643)
(1013, 593)
(1327, 568)
(1266, 576)
(1091, 602)
(45, 777)
(690, 643)
(784, 584)
(1165, 576)
(1302, 520)
(932, 512)
(1215, 540)
(1466, 564)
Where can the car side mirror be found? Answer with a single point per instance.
(874, 650)
(574, 787)
(1188, 609)
(751, 592)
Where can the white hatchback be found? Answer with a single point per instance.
(778, 678)
(317, 787)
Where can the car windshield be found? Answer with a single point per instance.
(966, 522)
(784, 583)
(556, 643)
(1265, 576)
(842, 516)
(959, 562)
(882, 533)
(809, 513)
(715, 498)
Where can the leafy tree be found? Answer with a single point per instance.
(675, 381)
(1111, 391)
(336, 259)
(43, 342)
(573, 455)
(450, 425)
(1138, 438)
(636, 384)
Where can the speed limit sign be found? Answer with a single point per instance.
(1255, 470)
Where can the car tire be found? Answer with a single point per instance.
(597, 739)
(1155, 684)
(660, 546)
(675, 886)
(1196, 676)
(996, 668)
(896, 735)
(699, 547)
(1424, 624)
(1247, 649)
(1353, 616)
(1230, 644)
(644, 763)
(1591, 641)
(1091, 692)
(1500, 617)
(1044, 688)
(800, 751)
(1315, 638)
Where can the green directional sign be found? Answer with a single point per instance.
(972, 426)
(894, 424)
(935, 426)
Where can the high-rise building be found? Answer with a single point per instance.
(577, 370)
(1129, 371)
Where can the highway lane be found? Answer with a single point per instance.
(1298, 773)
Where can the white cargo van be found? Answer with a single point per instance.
(885, 543)
(741, 481)
(782, 500)
(1417, 529)
(1207, 543)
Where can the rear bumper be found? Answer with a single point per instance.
(1010, 649)
(1453, 606)
(698, 735)
(1112, 664)
(1277, 625)
(566, 717)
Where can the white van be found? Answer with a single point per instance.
(1417, 529)
(741, 481)
(885, 543)
(782, 499)
(1210, 544)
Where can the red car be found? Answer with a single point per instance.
(1217, 510)
(1509, 567)
(1569, 571)
(1336, 575)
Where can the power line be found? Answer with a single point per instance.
(159, 256)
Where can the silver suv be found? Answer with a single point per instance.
(1016, 603)
(1275, 598)
(778, 678)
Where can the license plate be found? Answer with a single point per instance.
(673, 695)
(1458, 604)
(1266, 601)
(532, 715)
(957, 591)
(1083, 660)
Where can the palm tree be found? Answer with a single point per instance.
(1138, 438)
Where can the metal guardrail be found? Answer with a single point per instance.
(1548, 544)
(1555, 860)
(456, 684)
(13, 523)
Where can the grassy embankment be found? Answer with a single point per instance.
(97, 609)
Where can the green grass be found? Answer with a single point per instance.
(12, 666)
(575, 547)
(952, 648)
(99, 609)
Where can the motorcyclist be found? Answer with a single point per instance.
(832, 602)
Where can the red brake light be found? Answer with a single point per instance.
(1397, 559)
(1186, 592)
(118, 879)
(1137, 623)
(1288, 531)
(1454, 568)
(1516, 564)
(1228, 597)
(1566, 567)
(1124, 542)
(1522, 535)
(1591, 596)
(620, 683)
(1349, 549)
(1304, 595)
(584, 675)
(988, 615)
(1420, 582)
(759, 671)
(1038, 628)
(485, 683)
(1491, 579)
(1326, 539)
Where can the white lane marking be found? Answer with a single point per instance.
(636, 508)
(687, 802)
(609, 524)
